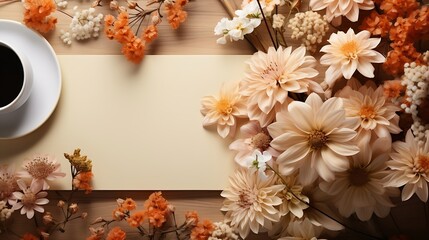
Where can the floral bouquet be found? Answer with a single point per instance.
(25, 191)
(133, 24)
(318, 150)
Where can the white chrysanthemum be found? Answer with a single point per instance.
(302, 229)
(374, 113)
(267, 5)
(30, 199)
(335, 9)
(314, 138)
(223, 110)
(253, 137)
(271, 76)
(258, 162)
(349, 52)
(409, 166)
(361, 189)
(320, 202)
(235, 29)
(41, 168)
(250, 201)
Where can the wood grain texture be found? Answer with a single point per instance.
(194, 37)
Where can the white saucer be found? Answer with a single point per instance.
(47, 80)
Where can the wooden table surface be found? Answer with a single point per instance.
(195, 36)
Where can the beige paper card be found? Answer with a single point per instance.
(141, 125)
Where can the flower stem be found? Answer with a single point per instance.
(266, 24)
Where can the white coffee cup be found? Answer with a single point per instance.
(16, 78)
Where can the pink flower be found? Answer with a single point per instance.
(30, 199)
(253, 138)
(41, 168)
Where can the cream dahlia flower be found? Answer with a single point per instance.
(41, 168)
(349, 52)
(253, 137)
(335, 9)
(361, 189)
(303, 229)
(294, 201)
(374, 113)
(318, 200)
(314, 138)
(409, 166)
(223, 110)
(250, 201)
(271, 76)
(30, 199)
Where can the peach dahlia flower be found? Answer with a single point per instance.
(348, 52)
(223, 110)
(335, 9)
(373, 111)
(409, 166)
(271, 76)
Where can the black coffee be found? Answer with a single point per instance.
(11, 75)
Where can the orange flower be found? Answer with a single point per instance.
(136, 219)
(116, 233)
(150, 33)
(202, 231)
(156, 209)
(175, 13)
(129, 204)
(94, 237)
(421, 23)
(191, 218)
(393, 89)
(376, 24)
(29, 236)
(398, 8)
(402, 32)
(37, 13)
(396, 58)
(134, 49)
(82, 181)
(118, 29)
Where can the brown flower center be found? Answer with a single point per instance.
(261, 141)
(224, 107)
(317, 139)
(358, 177)
(349, 49)
(40, 168)
(422, 164)
(367, 112)
(247, 198)
(29, 198)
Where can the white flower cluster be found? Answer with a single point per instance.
(278, 21)
(5, 212)
(244, 23)
(62, 4)
(416, 80)
(310, 27)
(85, 24)
(223, 231)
